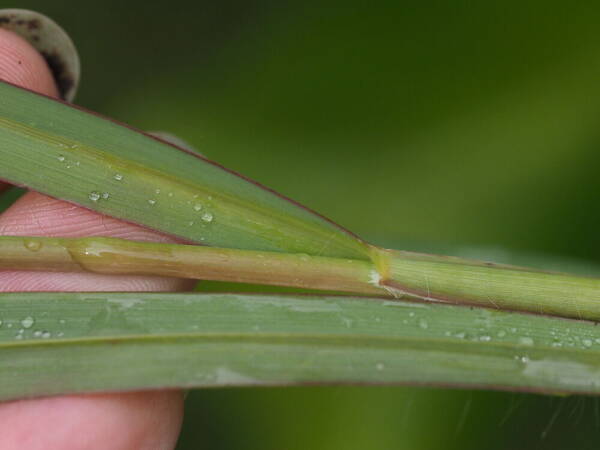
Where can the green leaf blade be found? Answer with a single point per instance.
(89, 342)
(71, 154)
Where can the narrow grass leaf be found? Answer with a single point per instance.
(89, 342)
(68, 153)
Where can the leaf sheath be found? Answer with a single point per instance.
(392, 274)
(122, 257)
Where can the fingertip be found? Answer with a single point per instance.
(35, 214)
(23, 65)
(138, 420)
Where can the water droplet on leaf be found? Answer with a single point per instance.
(32, 245)
(525, 340)
(27, 322)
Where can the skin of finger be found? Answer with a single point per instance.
(142, 420)
(38, 215)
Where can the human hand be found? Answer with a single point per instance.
(144, 420)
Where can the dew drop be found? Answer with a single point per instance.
(461, 335)
(157, 191)
(94, 196)
(485, 338)
(152, 202)
(348, 322)
(207, 217)
(197, 207)
(380, 366)
(37, 333)
(411, 314)
(118, 177)
(525, 340)
(27, 322)
(46, 334)
(587, 343)
(32, 245)
(501, 333)
(61, 158)
(423, 324)
(105, 195)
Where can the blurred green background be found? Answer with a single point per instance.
(452, 126)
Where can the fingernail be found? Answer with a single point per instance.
(51, 41)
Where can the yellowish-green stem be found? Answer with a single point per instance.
(389, 273)
(119, 256)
